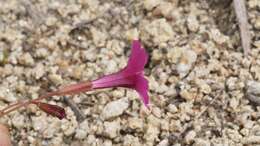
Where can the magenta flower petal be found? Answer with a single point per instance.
(141, 86)
(131, 76)
(137, 60)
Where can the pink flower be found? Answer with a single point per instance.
(131, 76)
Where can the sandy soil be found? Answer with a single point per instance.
(203, 90)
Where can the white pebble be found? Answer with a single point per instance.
(115, 108)
(190, 136)
(111, 129)
(82, 130)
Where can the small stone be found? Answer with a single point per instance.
(157, 112)
(26, 59)
(172, 108)
(52, 128)
(132, 34)
(107, 143)
(164, 9)
(218, 37)
(56, 79)
(186, 95)
(39, 123)
(77, 71)
(69, 125)
(192, 23)
(99, 37)
(118, 94)
(50, 21)
(159, 30)
(204, 87)
(130, 140)
(151, 133)
(185, 63)
(164, 142)
(190, 136)
(234, 103)
(18, 121)
(152, 120)
(82, 130)
(251, 140)
(157, 55)
(7, 95)
(174, 54)
(2, 56)
(150, 4)
(245, 131)
(201, 142)
(111, 129)
(115, 108)
(257, 23)
(38, 72)
(135, 123)
(42, 53)
(31, 139)
(253, 91)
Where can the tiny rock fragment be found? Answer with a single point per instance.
(218, 37)
(39, 71)
(132, 34)
(185, 94)
(172, 108)
(150, 4)
(186, 61)
(174, 54)
(152, 120)
(52, 127)
(111, 129)
(151, 133)
(136, 123)
(55, 78)
(130, 140)
(192, 23)
(251, 140)
(107, 143)
(26, 59)
(82, 130)
(18, 121)
(157, 55)
(164, 142)
(253, 91)
(204, 87)
(115, 108)
(164, 9)
(42, 53)
(6, 95)
(159, 30)
(257, 23)
(190, 136)
(39, 123)
(201, 142)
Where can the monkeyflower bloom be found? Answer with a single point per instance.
(131, 76)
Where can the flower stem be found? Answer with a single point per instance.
(70, 89)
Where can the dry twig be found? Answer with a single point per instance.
(241, 13)
(79, 114)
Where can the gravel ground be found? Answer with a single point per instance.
(203, 90)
